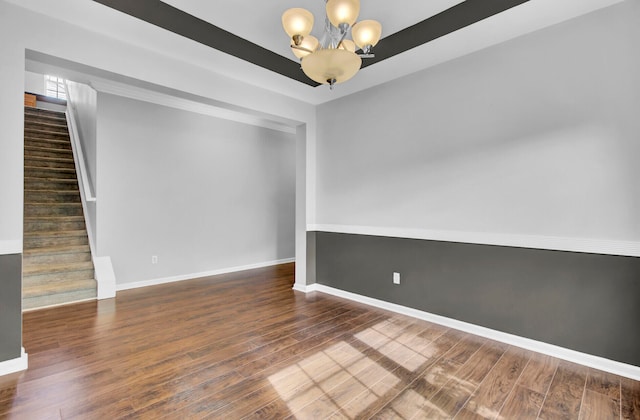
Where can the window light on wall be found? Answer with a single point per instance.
(54, 87)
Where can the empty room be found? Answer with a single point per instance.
(320, 209)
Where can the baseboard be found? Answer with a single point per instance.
(154, 282)
(303, 288)
(589, 360)
(15, 365)
(553, 243)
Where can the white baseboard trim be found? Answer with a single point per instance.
(105, 277)
(303, 288)
(554, 243)
(10, 247)
(595, 362)
(154, 282)
(15, 365)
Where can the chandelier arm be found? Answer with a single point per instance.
(344, 35)
(302, 49)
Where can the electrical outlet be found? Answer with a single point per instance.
(396, 278)
(154, 259)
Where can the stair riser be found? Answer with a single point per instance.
(58, 299)
(48, 184)
(30, 281)
(50, 126)
(32, 289)
(47, 144)
(48, 259)
(49, 173)
(49, 163)
(45, 134)
(52, 226)
(40, 242)
(53, 210)
(48, 153)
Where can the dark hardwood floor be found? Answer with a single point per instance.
(247, 345)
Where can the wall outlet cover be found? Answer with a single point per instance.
(396, 278)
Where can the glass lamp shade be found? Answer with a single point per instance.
(343, 11)
(325, 65)
(297, 21)
(348, 45)
(366, 32)
(310, 43)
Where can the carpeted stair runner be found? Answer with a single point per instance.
(57, 267)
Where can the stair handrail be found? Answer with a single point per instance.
(78, 154)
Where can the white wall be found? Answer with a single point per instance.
(34, 83)
(11, 139)
(199, 192)
(537, 136)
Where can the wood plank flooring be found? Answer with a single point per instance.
(245, 345)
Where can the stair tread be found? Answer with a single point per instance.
(53, 250)
(29, 138)
(36, 269)
(41, 203)
(36, 110)
(62, 192)
(54, 218)
(59, 124)
(49, 168)
(46, 149)
(49, 159)
(39, 130)
(37, 203)
(42, 179)
(56, 233)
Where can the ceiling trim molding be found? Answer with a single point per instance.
(181, 23)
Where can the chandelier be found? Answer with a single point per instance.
(333, 58)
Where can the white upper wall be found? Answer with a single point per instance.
(537, 136)
(34, 83)
(199, 192)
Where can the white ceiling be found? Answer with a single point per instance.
(259, 22)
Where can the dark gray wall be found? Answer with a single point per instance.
(10, 306)
(585, 302)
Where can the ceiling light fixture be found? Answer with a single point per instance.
(333, 58)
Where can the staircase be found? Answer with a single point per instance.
(57, 267)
